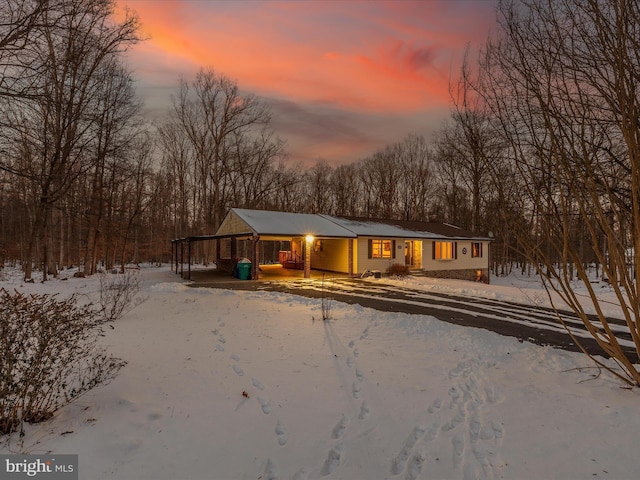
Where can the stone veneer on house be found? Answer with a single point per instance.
(463, 274)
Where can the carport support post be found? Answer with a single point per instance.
(189, 257)
(256, 258)
(181, 259)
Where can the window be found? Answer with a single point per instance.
(381, 248)
(445, 250)
(476, 249)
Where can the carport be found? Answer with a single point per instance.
(247, 233)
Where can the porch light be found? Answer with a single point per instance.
(309, 239)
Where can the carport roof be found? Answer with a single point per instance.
(265, 222)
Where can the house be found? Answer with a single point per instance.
(348, 245)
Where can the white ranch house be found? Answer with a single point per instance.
(347, 245)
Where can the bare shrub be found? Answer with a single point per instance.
(398, 270)
(327, 302)
(49, 355)
(119, 293)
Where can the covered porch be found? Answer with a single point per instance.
(271, 257)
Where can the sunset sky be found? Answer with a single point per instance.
(343, 78)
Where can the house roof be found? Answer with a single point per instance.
(264, 222)
(424, 229)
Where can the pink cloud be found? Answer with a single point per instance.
(362, 57)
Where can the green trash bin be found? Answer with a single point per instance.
(244, 270)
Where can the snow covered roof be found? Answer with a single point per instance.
(264, 222)
(408, 228)
(376, 228)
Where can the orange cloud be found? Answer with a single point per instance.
(371, 56)
(367, 58)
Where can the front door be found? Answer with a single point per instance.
(408, 253)
(413, 254)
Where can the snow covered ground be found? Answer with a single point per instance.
(225, 384)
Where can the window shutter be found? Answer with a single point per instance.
(370, 248)
(433, 250)
(393, 249)
(455, 250)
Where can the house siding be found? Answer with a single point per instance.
(464, 267)
(332, 255)
(233, 224)
(364, 263)
(331, 251)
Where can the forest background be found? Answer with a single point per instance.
(540, 150)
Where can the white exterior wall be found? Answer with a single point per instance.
(464, 261)
(332, 255)
(233, 224)
(361, 253)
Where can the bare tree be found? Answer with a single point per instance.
(252, 168)
(417, 188)
(178, 167)
(212, 113)
(454, 206)
(562, 80)
(380, 175)
(346, 190)
(117, 106)
(50, 128)
(318, 184)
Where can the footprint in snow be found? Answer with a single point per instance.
(359, 375)
(356, 390)
(435, 406)
(270, 471)
(480, 453)
(281, 433)
(399, 462)
(365, 333)
(333, 459)
(235, 358)
(492, 396)
(349, 362)
(301, 474)
(458, 448)
(415, 466)
(432, 432)
(264, 404)
(498, 431)
(257, 383)
(339, 429)
(364, 410)
(238, 370)
(474, 428)
(219, 348)
(352, 343)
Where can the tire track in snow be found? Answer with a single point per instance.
(532, 323)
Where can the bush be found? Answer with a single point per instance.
(49, 355)
(119, 293)
(398, 270)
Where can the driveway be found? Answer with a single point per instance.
(527, 323)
